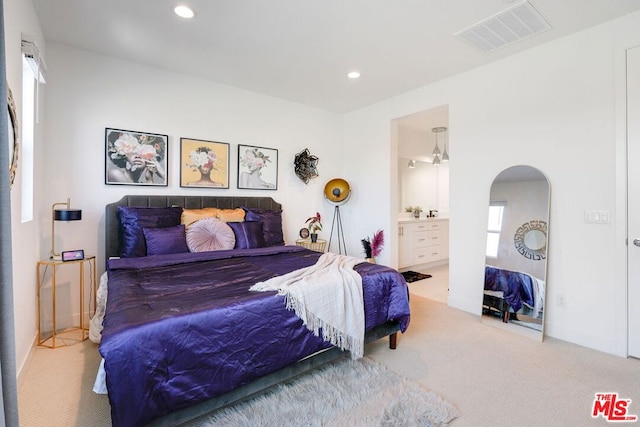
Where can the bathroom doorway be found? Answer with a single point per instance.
(420, 205)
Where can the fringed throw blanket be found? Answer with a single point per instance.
(327, 296)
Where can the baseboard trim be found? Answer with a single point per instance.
(25, 362)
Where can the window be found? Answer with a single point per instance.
(33, 70)
(26, 142)
(496, 213)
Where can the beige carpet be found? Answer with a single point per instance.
(494, 377)
(55, 389)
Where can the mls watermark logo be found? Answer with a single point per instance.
(611, 408)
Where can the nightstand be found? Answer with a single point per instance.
(317, 246)
(59, 338)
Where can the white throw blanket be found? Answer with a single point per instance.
(327, 296)
(538, 296)
(95, 332)
(95, 324)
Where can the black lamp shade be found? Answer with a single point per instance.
(68, 214)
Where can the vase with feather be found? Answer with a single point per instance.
(373, 247)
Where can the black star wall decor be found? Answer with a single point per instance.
(305, 165)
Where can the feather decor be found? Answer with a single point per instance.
(373, 246)
(366, 245)
(377, 243)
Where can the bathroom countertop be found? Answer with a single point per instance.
(422, 219)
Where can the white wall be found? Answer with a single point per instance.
(556, 108)
(88, 92)
(19, 18)
(425, 185)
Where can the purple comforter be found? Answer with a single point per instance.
(516, 287)
(181, 329)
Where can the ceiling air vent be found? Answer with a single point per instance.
(513, 24)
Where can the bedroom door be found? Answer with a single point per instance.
(633, 188)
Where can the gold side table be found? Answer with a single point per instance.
(318, 246)
(70, 332)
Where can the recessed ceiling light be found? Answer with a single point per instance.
(353, 75)
(184, 12)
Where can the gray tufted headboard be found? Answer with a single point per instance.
(112, 223)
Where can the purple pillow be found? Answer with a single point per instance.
(166, 240)
(248, 234)
(271, 224)
(134, 219)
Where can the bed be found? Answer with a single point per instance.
(509, 292)
(183, 334)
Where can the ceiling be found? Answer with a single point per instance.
(302, 50)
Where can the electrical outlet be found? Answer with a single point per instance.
(561, 301)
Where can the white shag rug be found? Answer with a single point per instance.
(344, 393)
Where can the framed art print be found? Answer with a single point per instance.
(204, 163)
(135, 158)
(257, 168)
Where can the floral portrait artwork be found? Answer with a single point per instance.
(204, 163)
(135, 158)
(257, 167)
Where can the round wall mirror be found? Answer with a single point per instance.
(535, 240)
(530, 240)
(12, 119)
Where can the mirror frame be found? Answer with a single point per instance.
(13, 139)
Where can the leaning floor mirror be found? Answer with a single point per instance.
(516, 252)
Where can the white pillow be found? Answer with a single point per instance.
(210, 234)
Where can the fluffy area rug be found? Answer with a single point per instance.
(344, 393)
(414, 276)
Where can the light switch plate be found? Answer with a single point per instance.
(597, 216)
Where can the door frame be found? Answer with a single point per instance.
(622, 167)
(621, 274)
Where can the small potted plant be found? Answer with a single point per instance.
(314, 224)
(417, 210)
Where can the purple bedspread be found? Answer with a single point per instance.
(516, 287)
(181, 329)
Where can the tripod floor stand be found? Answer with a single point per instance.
(337, 224)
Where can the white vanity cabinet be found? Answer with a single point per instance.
(423, 241)
(404, 244)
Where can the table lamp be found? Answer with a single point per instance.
(66, 214)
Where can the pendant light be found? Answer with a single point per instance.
(436, 150)
(445, 153)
